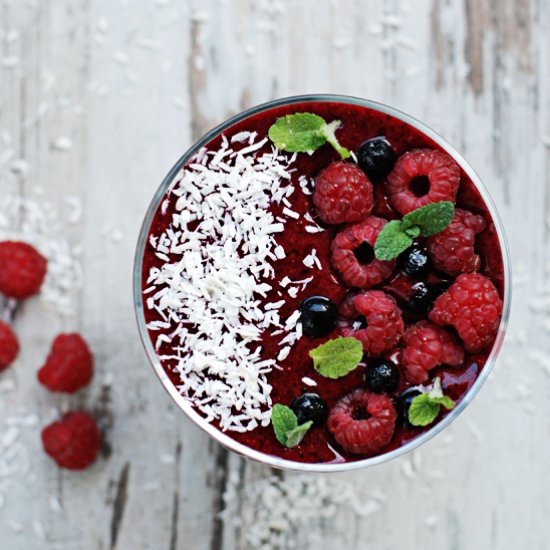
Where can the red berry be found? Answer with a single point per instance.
(427, 346)
(452, 250)
(343, 193)
(74, 441)
(22, 269)
(9, 346)
(420, 177)
(363, 422)
(353, 254)
(374, 319)
(69, 366)
(472, 305)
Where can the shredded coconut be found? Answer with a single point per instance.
(274, 512)
(218, 253)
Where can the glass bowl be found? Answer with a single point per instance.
(186, 406)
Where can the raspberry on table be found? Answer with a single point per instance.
(9, 346)
(343, 193)
(69, 366)
(353, 254)
(453, 249)
(22, 269)
(74, 441)
(473, 307)
(427, 346)
(363, 422)
(420, 177)
(373, 318)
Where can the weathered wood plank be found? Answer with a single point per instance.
(97, 100)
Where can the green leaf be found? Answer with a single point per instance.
(283, 420)
(294, 437)
(413, 231)
(391, 241)
(298, 133)
(304, 133)
(431, 219)
(425, 407)
(423, 410)
(336, 358)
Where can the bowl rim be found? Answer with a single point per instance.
(185, 405)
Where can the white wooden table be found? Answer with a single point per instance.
(98, 98)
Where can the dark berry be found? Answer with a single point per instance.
(318, 315)
(376, 157)
(309, 406)
(424, 295)
(381, 376)
(414, 262)
(404, 403)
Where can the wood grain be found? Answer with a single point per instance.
(100, 97)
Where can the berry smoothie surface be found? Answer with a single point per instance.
(302, 302)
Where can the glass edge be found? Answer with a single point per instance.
(220, 436)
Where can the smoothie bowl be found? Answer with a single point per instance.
(322, 283)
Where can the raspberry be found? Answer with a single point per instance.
(22, 269)
(353, 255)
(374, 319)
(9, 346)
(74, 441)
(452, 250)
(472, 305)
(343, 193)
(363, 422)
(69, 366)
(420, 177)
(426, 347)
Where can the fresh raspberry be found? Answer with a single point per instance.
(374, 319)
(427, 346)
(343, 193)
(9, 346)
(472, 305)
(363, 422)
(353, 254)
(69, 366)
(452, 250)
(74, 441)
(420, 177)
(22, 269)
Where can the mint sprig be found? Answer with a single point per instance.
(285, 426)
(425, 407)
(304, 133)
(396, 236)
(336, 358)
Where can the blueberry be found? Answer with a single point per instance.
(318, 315)
(404, 403)
(424, 295)
(309, 406)
(414, 261)
(376, 157)
(381, 376)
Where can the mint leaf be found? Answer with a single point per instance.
(336, 358)
(305, 132)
(430, 219)
(396, 236)
(391, 241)
(425, 407)
(285, 426)
(423, 410)
(283, 420)
(294, 437)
